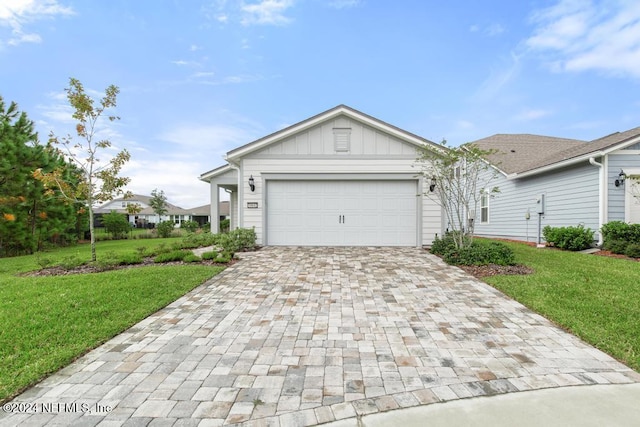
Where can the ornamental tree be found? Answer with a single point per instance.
(158, 203)
(98, 182)
(457, 178)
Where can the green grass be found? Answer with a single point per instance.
(596, 298)
(47, 322)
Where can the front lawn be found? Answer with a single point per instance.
(596, 298)
(47, 322)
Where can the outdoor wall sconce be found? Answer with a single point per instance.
(252, 183)
(620, 181)
(432, 187)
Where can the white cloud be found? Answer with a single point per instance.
(580, 35)
(266, 12)
(17, 14)
(344, 4)
(490, 30)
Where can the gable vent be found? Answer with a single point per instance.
(342, 139)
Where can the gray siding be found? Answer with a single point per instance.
(571, 198)
(618, 162)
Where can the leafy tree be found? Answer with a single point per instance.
(117, 224)
(96, 183)
(29, 216)
(158, 203)
(189, 225)
(457, 178)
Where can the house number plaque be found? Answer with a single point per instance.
(252, 205)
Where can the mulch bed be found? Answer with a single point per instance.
(481, 271)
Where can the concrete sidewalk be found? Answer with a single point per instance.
(584, 406)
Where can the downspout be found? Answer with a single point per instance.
(601, 195)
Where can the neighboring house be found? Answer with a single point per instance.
(202, 214)
(559, 182)
(340, 178)
(146, 216)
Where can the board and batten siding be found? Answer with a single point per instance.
(319, 140)
(617, 161)
(571, 198)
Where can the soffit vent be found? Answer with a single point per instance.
(342, 139)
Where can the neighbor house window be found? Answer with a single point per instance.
(484, 207)
(342, 139)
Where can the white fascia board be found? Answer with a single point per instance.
(206, 177)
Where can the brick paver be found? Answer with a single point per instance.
(301, 336)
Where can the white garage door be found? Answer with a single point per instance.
(342, 213)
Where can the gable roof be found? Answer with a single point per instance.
(171, 209)
(339, 110)
(523, 154)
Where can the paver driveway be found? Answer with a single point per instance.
(301, 336)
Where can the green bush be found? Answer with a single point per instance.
(164, 228)
(192, 258)
(224, 258)
(568, 238)
(189, 225)
(481, 252)
(618, 230)
(198, 240)
(224, 225)
(210, 255)
(130, 258)
(176, 255)
(615, 246)
(238, 240)
(70, 262)
(633, 250)
(116, 224)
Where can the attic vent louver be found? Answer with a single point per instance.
(342, 139)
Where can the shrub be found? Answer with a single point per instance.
(618, 230)
(190, 226)
(210, 255)
(615, 246)
(224, 258)
(176, 255)
(240, 239)
(70, 262)
(116, 224)
(192, 258)
(130, 258)
(569, 238)
(224, 225)
(481, 253)
(633, 250)
(198, 240)
(164, 228)
(43, 261)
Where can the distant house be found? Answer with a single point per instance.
(202, 214)
(559, 182)
(146, 216)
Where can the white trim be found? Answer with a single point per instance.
(625, 153)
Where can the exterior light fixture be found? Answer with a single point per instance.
(620, 180)
(432, 187)
(252, 183)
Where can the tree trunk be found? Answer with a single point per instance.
(92, 233)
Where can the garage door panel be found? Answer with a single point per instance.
(342, 213)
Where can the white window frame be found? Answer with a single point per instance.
(484, 207)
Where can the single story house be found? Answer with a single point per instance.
(339, 178)
(559, 182)
(145, 215)
(202, 214)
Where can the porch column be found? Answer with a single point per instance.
(215, 205)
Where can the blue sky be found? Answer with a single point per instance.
(199, 78)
